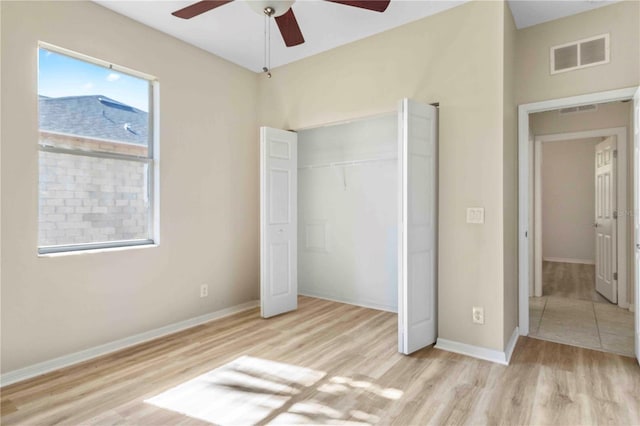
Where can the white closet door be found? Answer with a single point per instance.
(417, 260)
(278, 221)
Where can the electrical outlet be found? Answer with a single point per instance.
(204, 290)
(478, 315)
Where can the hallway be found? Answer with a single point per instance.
(572, 312)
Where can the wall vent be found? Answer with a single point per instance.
(580, 54)
(577, 109)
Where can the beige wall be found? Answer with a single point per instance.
(509, 179)
(568, 199)
(613, 114)
(52, 306)
(535, 83)
(454, 58)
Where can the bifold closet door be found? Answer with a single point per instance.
(417, 260)
(278, 221)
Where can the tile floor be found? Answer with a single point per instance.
(593, 325)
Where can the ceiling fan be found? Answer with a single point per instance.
(281, 12)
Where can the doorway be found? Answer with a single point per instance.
(578, 296)
(541, 260)
(568, 188)
(348, 213)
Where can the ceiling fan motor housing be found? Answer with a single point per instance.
(279, 7)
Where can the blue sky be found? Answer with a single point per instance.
(60, 75)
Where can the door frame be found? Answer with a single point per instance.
(523, 182)
(621, 260)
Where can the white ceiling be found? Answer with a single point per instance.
(527, 13)
(235, 32)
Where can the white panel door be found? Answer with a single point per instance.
(636, 221)
(605, 222)
(417, 260)
(278, 221)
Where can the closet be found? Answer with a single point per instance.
(348, 213)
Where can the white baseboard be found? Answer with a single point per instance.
(96, 351)
(375, 306)
(480, 352)
(567, 260)
(511, 344)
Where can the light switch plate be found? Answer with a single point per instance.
(475, 215)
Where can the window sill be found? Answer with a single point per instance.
(98, 250)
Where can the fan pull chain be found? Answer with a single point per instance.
(264, 45)
(269, 49)
(268, 12)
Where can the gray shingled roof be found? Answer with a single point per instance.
(94, 116)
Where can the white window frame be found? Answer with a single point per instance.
(151, 160)
(607, 54)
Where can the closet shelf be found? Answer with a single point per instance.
(348, 163)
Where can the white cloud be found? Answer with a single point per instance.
(113, 77)
(87, 86)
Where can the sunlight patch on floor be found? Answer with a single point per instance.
(251, 390)
(342, 384)
(245, 391)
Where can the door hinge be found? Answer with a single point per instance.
(615, 153)
(615, 215)
(615, 276)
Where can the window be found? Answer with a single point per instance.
(96, 154)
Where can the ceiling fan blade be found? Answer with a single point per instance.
(289, 28)
(199, 8)
(375, 5)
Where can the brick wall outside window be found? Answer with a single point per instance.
(89, 199)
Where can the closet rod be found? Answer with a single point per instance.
(348, 163)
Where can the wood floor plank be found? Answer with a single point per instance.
(364, 378)
(571, 280)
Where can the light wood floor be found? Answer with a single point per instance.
(571, 280)
(546, 383)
